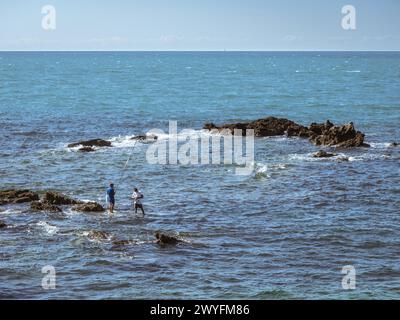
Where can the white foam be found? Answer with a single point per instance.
(10, 211)
(379, 145)
(49, 229)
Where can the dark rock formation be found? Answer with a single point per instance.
(145, 138)
(2, 225)
(122, 242)
(86, 149)
(44, 206)
(394, 144)
(89, 207)
(323, 154)
(56, 198)
(270, 126)
(344, 136)
(98, 235)
(17, 196)
(91, 143)
(164, 239)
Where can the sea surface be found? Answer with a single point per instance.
(283, 232)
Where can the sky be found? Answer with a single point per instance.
(206, 25)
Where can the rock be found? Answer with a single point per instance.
(86, 149)
(344, 136)
(89, 207)
(121, 242)
(91, 143)
(44, 206)
(56, 198)
(342, 158)
(17, 196)
(2, 225)
(323, 154)
(98, 235)
(145, 138)
(270, 126)
(164, 239)
(394, 144)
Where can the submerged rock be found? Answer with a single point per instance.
(145, 138)
(2, 225)
(98, 235)
(394, 144)
(122, 242)
(56, 198)
(91, 143)
(44, 206)
(343, 136)
(86, 149)
(89, 207)
(164, 239)
(13, 196)
(323, 154)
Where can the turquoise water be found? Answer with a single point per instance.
(285, 231)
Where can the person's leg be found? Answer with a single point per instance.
(141, 207)
(136, 206)
(112, 207)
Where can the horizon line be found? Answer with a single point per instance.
(225, 50)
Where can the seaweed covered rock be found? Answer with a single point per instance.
(2, 225)
(89, 207)
(44, 206)
(58, 199)
(13, 196)
(91, 143)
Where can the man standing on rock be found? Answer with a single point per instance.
(111, 198)
(137, 196)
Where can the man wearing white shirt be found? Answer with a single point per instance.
(137, 196)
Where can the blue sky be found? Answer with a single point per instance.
(199, 25)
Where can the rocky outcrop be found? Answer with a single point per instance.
(91, 143)
(165, 239)
(2, 225)
(270, 126)
(59, 199)
(323, 154)
(145, 138)
(89, 207)
(13, 196)
(344, 136)
(43, 206)
(327, 134)
(394, 144)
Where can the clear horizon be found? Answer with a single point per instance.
(178, 25)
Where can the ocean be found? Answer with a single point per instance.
(283, 232)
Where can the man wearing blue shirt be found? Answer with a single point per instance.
(111, 197)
